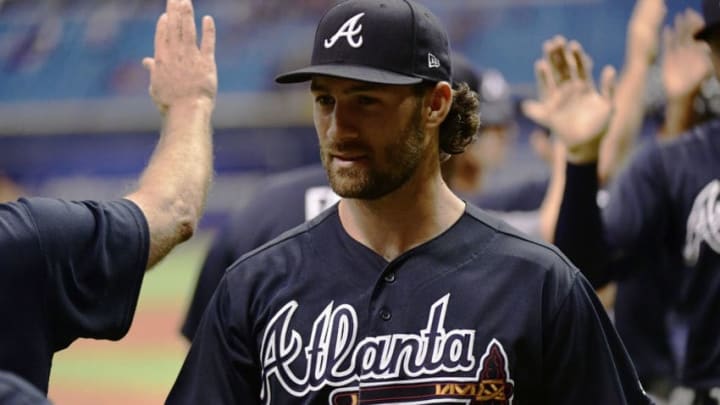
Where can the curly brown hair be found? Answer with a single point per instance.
(462, 122)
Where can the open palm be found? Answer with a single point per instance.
(569, 104)
(685, 61)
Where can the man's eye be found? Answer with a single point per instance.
(365, 100)
(324, 100)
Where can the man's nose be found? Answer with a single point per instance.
(342, 122)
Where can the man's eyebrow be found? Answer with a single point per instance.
(317, 87)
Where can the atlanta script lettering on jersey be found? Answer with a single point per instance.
(330, 356)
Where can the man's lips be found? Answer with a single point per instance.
(348, 157)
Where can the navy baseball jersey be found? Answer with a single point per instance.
(291, 198)
(664, 204)
(69, 270)
(523, 195)
(287, 200)
(642, 315)
(479, 315)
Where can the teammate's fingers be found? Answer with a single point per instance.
(573, 55)
(680, 27)
(541, 78)
(534, 111)
(207, 46)
(161, 36)
(667, 38)
(558, 61)
(187, 31)
(174, 22)
(607, 82)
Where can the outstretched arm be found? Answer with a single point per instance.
(643, 37)
(578, 116)
(183, 83)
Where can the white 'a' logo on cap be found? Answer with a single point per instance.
(349, 30)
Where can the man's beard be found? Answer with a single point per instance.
(370, 183)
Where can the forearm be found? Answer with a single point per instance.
(627, 119)
(173, 188)
(679, 116)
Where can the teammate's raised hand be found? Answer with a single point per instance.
(569, 104)
(180, 71)
(686, 61)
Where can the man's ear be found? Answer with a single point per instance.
(440, 102)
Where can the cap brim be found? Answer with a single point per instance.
(361, 73)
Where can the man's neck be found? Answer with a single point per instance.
(414, 214)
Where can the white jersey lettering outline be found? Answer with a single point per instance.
(332, 357)
(703, 224)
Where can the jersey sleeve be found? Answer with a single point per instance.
(580, 231)
(638, 199)
(596, 241)
(95, 254)
(584, 359)
(221, 367)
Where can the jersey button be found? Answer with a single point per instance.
(385, 314)
(389, 277)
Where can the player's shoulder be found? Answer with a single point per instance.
(702, 137)
(287, 246)
(511, 244)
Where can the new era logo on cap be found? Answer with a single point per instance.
(433, 61)
(378, 41)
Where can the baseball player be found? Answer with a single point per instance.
(643, 314)
(291, 198)
(73, 268)
(401, 292)
(663, 205)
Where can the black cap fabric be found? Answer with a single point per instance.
(378, 41)
(496, 104)
(711, 15)
(463, 71)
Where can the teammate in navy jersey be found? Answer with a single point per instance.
(663, 206)
(73, 269)
(400, 293)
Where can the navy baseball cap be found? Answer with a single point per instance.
(496, 104)
(711, 15)
(378, 41)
